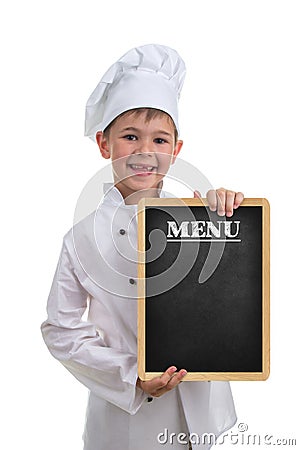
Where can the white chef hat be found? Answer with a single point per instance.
(150, 76)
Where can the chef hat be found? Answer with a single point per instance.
(150, 76)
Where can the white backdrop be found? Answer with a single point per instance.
(240, 119)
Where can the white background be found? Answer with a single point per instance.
(240, 116)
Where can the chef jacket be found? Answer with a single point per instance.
(97, 271)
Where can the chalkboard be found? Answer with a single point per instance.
(203, 285)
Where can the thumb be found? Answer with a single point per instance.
(197, 194)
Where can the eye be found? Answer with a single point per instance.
(160, 141)
(130, 137)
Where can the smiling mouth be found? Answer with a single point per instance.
(142, 169)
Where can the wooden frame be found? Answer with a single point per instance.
(195, 376)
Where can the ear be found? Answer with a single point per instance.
(102, 142)
(176, 151)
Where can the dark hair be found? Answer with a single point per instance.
(151, 113)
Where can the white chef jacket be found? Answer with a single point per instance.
(97, 270)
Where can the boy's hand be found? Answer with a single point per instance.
(160, 385)
(222, 200)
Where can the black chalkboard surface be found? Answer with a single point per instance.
(203, 290)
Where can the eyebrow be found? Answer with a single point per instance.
(137, 130)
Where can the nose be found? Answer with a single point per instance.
(144, 148)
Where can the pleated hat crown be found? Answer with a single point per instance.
(150, 76)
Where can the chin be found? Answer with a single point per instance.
(141, 184)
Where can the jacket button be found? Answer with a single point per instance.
(122, 231)
(131, 281)
(149, 399)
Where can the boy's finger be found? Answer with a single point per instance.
(163, 380)
(197, 194)
(221, 199)
(239, 197)
(176, 379)
(158, 383)
(212, 199)
(230, 196)
(173, 382)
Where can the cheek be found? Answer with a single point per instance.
(119, 164)
(121, 153)
(164, 162)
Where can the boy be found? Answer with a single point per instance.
(132, 115)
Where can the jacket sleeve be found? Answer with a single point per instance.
(109, 373)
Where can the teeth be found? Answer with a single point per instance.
(141, 167)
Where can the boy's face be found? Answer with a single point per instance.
(141, 152)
